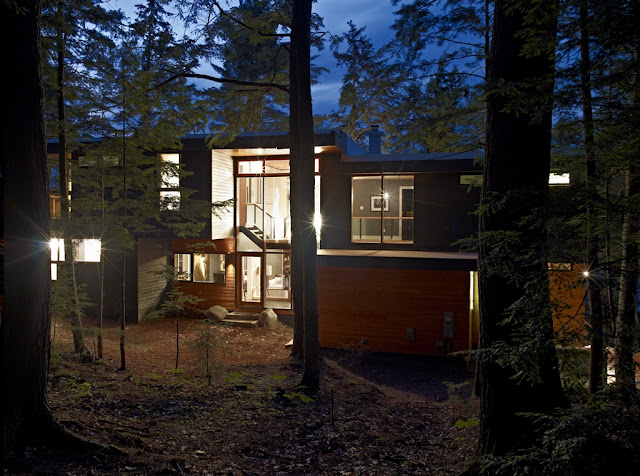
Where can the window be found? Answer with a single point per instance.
(170, 182)
(87, 250)
(382, 209)
(209, 268)
(57, 254)
(200, 267)
(182, 266)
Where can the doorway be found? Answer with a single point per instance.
(250, 280)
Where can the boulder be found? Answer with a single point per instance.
(268, 319)
(216, 313)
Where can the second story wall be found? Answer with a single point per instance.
(443, 207)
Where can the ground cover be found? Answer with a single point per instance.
(374, 414)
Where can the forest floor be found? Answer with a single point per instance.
(375, 414)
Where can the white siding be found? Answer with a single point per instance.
(221, 189)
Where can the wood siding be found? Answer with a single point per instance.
(153, 257)
(211, 294)
(568, 292)
(373, 309)
(222, 188)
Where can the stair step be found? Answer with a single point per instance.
(243, 316)
(240, 322)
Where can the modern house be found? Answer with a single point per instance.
(390, 276)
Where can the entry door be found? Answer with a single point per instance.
(250, 277)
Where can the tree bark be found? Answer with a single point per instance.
(596, 320)
(26, 321)
(626, 322)
(627, 303)
(514, 287)
(303, 240)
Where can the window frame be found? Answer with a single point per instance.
(378, 202)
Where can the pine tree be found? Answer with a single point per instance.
(518, 365)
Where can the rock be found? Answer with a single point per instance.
(216, 313)
(268, 319)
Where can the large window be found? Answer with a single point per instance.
(263, 204)
(382, 209)
(170, 182)
(200, 267)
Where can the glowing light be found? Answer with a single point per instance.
(87, 250)
(585, 274)
(317, 222)
(57, 249)
(386, 195)
(559, 179)
(54, 271)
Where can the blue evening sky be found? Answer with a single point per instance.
(375, 15)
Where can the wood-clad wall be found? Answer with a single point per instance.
(567, 290)
(373, 308)
(212, 294)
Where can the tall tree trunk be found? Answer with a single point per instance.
(515, 308)
(26, 321)
(303, 240)
(596, 321)
(627, 303)
(626, 323)
(63, 171)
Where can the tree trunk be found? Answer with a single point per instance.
(516, 324)
(79, 346)
(303, 240)
(26, 321)
(626, 320)
(596, 321)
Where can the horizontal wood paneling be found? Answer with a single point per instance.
(378, 305)
(567, 290)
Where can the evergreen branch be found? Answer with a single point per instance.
(248, 27)
(237, 82)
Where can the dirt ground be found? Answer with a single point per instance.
(375, 414)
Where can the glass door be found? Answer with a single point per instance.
(250, 277)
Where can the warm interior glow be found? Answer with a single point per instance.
(57, 249)
(87, 250)
(559, 179)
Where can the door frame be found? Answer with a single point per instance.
(240, 281)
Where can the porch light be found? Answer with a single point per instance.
(386, 195)
(585, 274)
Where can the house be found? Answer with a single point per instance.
(390, 276)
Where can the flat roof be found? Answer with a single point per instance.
(448, 255)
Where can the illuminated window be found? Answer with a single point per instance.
(209, 268)
(382, 209)
(170, 182)
(87, 250)
(559, 179)
(182, 266)
(57, 249)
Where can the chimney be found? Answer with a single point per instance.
(375, 140)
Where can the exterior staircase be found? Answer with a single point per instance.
(241, 319)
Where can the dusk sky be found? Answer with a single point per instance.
(375, 15)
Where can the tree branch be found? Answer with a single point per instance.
(237, 82)
(244, 25)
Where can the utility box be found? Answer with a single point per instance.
(411, 334)
(447, 325)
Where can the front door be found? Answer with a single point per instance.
(250, 280)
